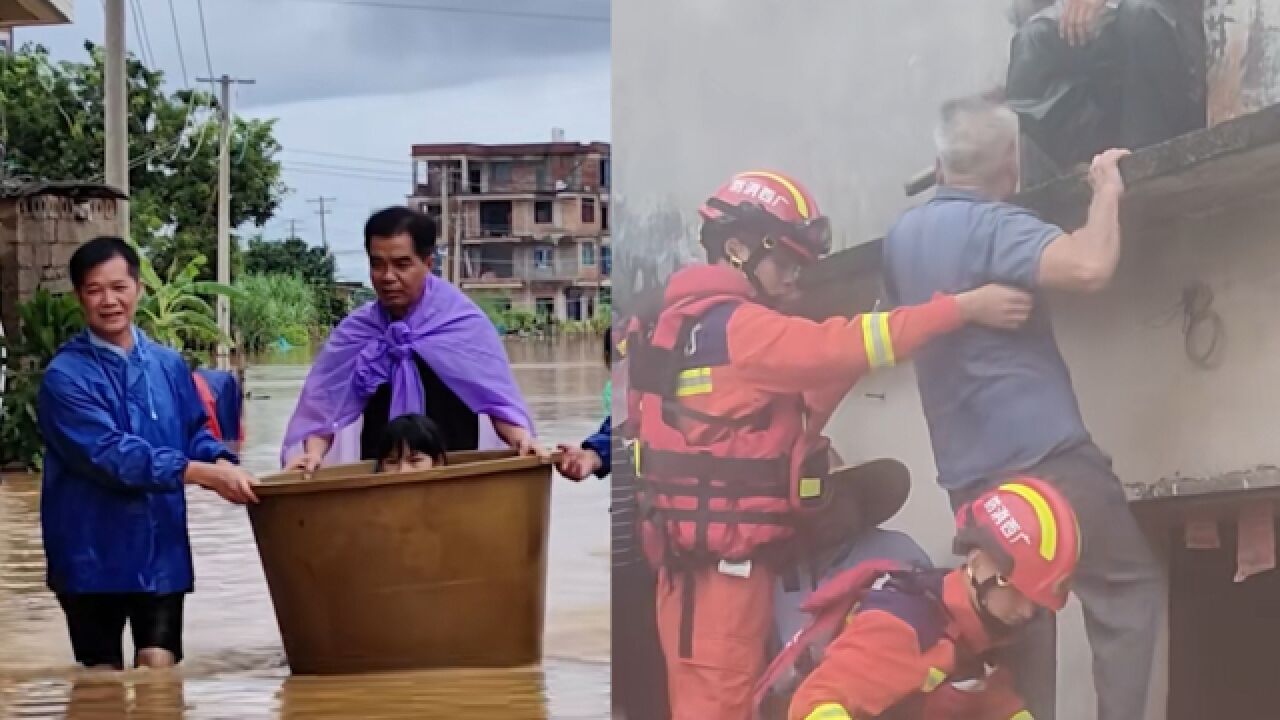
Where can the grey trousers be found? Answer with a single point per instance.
(1121, 588)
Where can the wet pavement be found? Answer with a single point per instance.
(235, 665)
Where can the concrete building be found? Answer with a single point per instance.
(17, 13)
(844, 96)
(527, 225)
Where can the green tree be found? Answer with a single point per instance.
(314, 266)
(52, 124)
(269, 307)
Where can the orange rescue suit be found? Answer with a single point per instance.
(731, 397)
(896, 659)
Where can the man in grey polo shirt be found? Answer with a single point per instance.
(1001, 402)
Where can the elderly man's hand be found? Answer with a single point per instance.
(1079, 19)
(521, 440)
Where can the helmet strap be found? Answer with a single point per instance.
(997, 628)
(749, 269)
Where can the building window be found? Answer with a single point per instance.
(606, 260)
(542, 258)
(588, 210)
(545, 307)
(604, 216)
(542, 212)
(604, 172)
(588, 254)
(501, 174)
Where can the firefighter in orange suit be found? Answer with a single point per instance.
(730, 398)
(921, 645)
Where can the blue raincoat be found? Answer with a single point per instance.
(118, 433)
(602, 445)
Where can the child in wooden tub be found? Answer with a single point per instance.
(410, 443)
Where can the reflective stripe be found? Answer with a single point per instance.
(694, 381)
(1044, 516)
(877, 340)
(829, 711)
(802, 206)
(1022, 715)
(635, 456)
(810, 487)
(887, 339)
(934, 679)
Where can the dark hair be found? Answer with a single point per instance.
(398, 220)
(417, 432)
(100, 251)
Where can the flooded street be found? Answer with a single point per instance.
(235, 665)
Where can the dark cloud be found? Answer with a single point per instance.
(315, 49)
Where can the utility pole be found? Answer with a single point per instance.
(224, 211)
(116, 104)
(598, 243)
(293, 228)
(454, 274)
(324, 238)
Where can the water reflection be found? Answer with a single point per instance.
(235, 665)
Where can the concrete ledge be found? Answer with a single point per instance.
(1193, 175)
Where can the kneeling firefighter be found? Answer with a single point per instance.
(729, 397)
(923, 644)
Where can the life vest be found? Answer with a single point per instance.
(210, 405)
(830, 606)
(975, 690)
(712, 485)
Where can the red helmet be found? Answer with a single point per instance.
(1030, 530)
(775, 204)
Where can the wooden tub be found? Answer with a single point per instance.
(439, 568)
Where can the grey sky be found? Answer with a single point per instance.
(366, 80)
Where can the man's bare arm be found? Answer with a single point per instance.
(1085, 261)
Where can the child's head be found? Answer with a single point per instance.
(411, 442)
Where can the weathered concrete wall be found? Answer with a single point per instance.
(37, 237)
(842, 94)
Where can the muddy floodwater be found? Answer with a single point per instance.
(235, 665)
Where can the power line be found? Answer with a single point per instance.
(362, 172)
(363, 158)
(177, 37)
(351, 176)
(464, 10)
(204, 34)
(145, 50)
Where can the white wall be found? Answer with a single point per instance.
(840, 93)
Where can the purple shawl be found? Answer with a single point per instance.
(367, 349)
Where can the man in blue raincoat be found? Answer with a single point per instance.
(124, 432)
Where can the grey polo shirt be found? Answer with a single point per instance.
(996, 401)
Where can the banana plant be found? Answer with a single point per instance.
(47, 321)
(172, 310)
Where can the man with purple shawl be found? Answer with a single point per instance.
(421, 347)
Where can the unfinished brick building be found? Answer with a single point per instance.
(528, 224)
